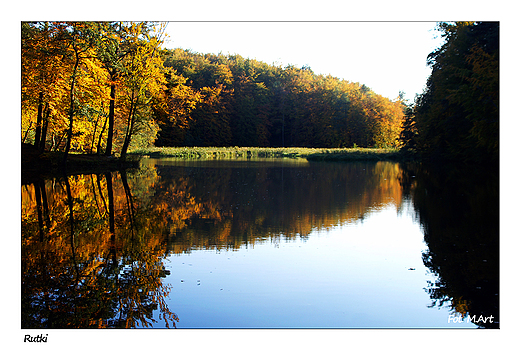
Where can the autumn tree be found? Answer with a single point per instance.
(84, 81)
(173, 109)
(61, 82)
(81, 39)
(43, 78)
(246, 102)
(143, 77)
(113, 48)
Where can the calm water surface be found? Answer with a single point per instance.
(260, 244)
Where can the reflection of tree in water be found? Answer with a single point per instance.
(227, 207)
(86, 266)
(92, 245)
(459, 211)
(92, 250)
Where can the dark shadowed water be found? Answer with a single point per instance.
(261, 244)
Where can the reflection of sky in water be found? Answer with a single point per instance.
(354, 275)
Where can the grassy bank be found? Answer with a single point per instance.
(333, 154)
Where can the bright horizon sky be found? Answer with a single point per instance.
(388, 57)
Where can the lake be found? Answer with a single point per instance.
(265, 243)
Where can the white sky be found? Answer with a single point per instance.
(388, 57)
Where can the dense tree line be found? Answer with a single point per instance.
(231, 100)
(457, 116)
(106, 87)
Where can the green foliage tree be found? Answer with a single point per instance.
(457, 115)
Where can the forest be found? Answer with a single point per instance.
(109, 87)
(456, 118)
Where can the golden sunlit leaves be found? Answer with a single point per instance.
(51, 50)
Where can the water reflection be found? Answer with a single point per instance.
(85, 263)
(93, 246)
(459, 211)
(227, 205)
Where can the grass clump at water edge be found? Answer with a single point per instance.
(334, 154)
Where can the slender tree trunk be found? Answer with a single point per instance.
(111, 112)
(101, 136)
(43, 138)
(29, 128)
(59, 141)
(94, 136)
(71, 108)
(129, 127)
(39, 118)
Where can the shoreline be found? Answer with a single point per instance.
(311, 154)
(36, 164)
